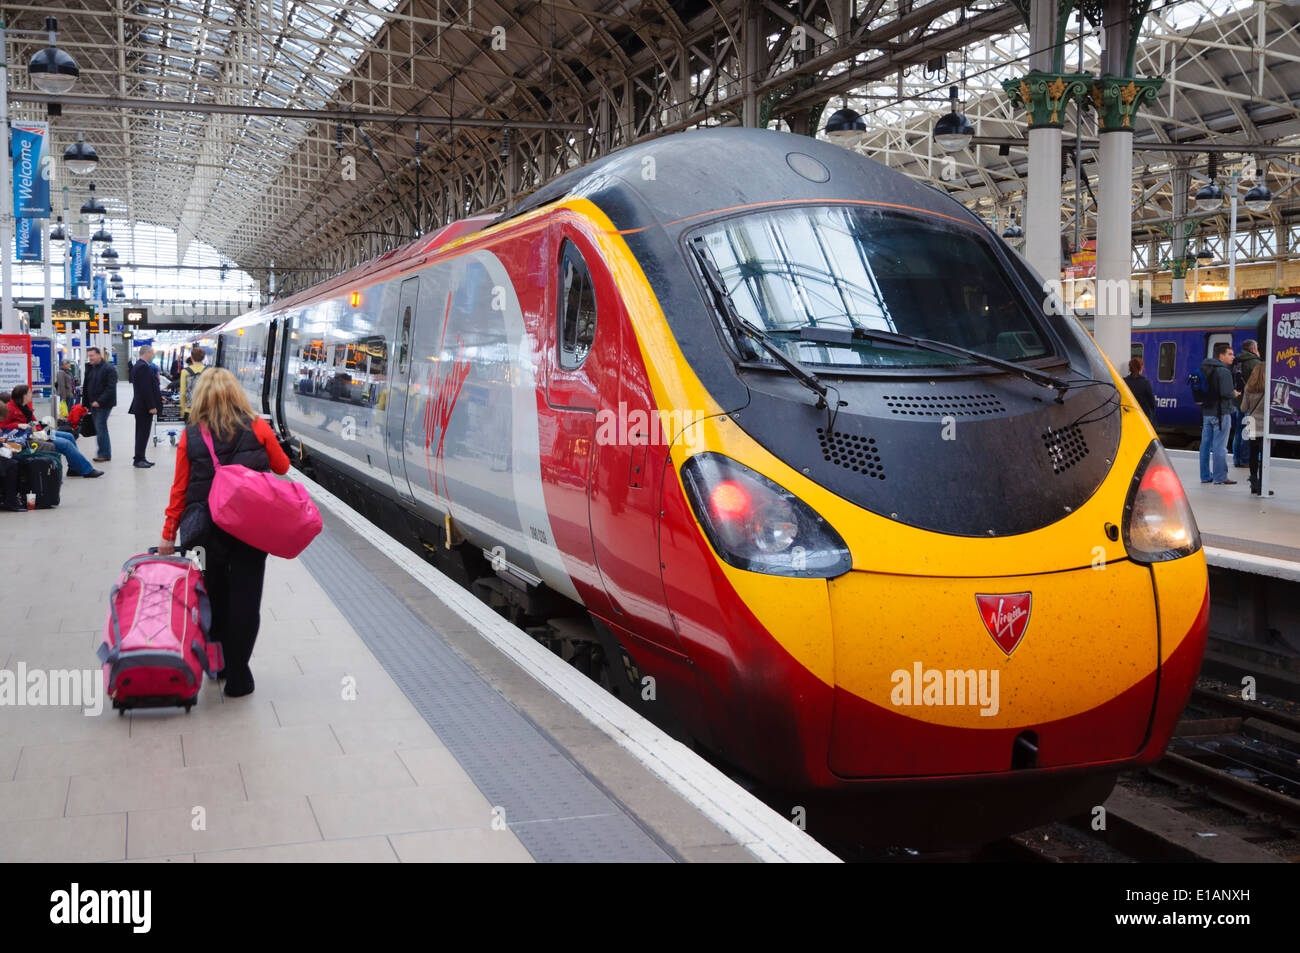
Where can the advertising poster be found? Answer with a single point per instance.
(15, 360)
(1283, 359)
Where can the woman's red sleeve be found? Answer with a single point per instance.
(279, 459)
(180, 483)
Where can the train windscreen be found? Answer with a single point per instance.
(848, 266)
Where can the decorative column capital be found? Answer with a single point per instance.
(1181, 266)
(1117, 99)
(1046, 95)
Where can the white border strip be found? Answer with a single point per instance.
(1285, 463)
(763, 832)
(1252, 563)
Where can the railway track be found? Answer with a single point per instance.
(1228, 789)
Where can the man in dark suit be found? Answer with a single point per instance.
(146, 401)
(1141, 388)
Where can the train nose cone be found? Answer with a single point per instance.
(966, 675)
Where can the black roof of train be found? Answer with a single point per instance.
(690, 173)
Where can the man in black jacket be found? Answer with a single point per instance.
(1242, 368)
(1216, 414)
(1141, 388)
(146, 401)
(99, 393)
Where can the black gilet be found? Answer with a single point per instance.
(245, 449)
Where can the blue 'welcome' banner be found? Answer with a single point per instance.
(30, 154)
(80, 265)
(101, 289)
(27, 236)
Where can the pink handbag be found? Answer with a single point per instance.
(273, 515)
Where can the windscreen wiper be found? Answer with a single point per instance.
(738, 325)
(845, 336)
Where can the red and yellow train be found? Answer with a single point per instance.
(839, 499)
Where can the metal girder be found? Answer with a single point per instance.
(574, 79)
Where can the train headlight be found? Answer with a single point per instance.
(754, 524)
(1158, 521)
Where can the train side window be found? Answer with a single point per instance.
(1168, 352)
(376, 349)
(404, 347)
(577, 308)
(1138, 350)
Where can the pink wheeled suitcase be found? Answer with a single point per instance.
(155, 649)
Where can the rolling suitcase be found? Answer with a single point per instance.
(155, 649)
(9, 499)
(40, 473)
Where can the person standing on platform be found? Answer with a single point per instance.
(174, 375)
(190, 375)
(1255, 405)
(1141, 388)
(99, 393)
(1216, 415)
(1243, 367)
(233, 571)
(146, 402)
(63, 384)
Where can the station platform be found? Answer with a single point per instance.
(395, 718)
(1244, 532)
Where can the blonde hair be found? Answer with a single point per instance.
(1256, 383)
(220, 403)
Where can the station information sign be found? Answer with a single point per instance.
(42, 363)
(71, 310)
(94, 325)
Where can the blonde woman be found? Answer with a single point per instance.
(233, 570)
(1254, 405)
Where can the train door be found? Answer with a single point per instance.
(399, 391)
(278, 357)
(272, 332)
(582, 347)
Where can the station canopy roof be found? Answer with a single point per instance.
(258, 186)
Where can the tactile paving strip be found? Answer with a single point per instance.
(555, 809)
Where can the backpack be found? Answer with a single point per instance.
(155, 648)
(1200, 389)
(189, 384)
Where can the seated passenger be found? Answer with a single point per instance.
(21, 416)
(18, 411)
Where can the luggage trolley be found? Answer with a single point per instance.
(170, 414)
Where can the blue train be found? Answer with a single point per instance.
(1175, 342)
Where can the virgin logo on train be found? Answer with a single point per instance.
(1006, 616)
